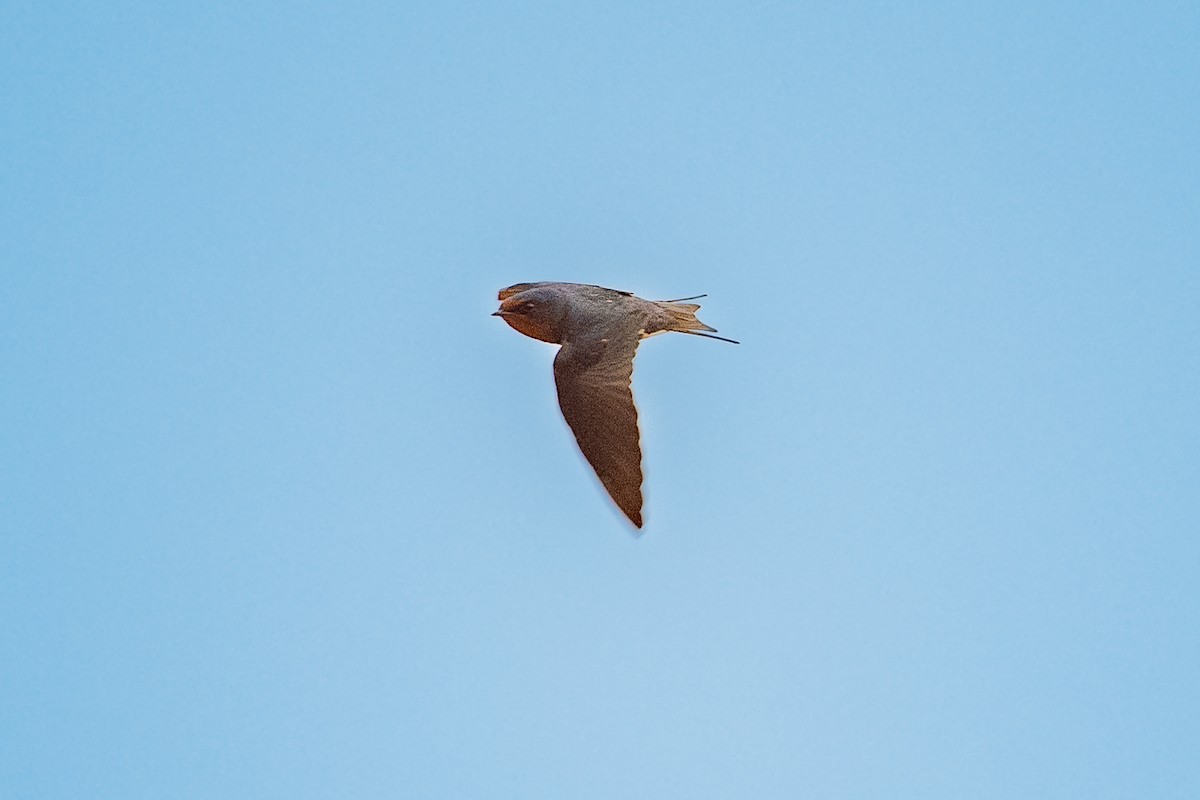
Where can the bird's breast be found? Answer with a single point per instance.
(531, 328)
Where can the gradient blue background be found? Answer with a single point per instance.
(285, 513)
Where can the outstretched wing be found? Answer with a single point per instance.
(593, 391)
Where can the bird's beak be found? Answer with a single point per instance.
(497, 313)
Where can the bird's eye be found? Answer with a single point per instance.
(529, 306)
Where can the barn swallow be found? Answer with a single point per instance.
(599, 330)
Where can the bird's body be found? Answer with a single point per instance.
(599, 330)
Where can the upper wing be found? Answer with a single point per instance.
(593, 377)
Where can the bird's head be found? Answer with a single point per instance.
(538, 312)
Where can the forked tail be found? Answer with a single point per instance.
(683, 318)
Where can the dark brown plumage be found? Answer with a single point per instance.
(599, 330)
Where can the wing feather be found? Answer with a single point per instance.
(593, 391)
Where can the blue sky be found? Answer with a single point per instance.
(285, 513)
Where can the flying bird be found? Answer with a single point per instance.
(599, 330)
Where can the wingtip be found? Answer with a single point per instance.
(633, 514)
